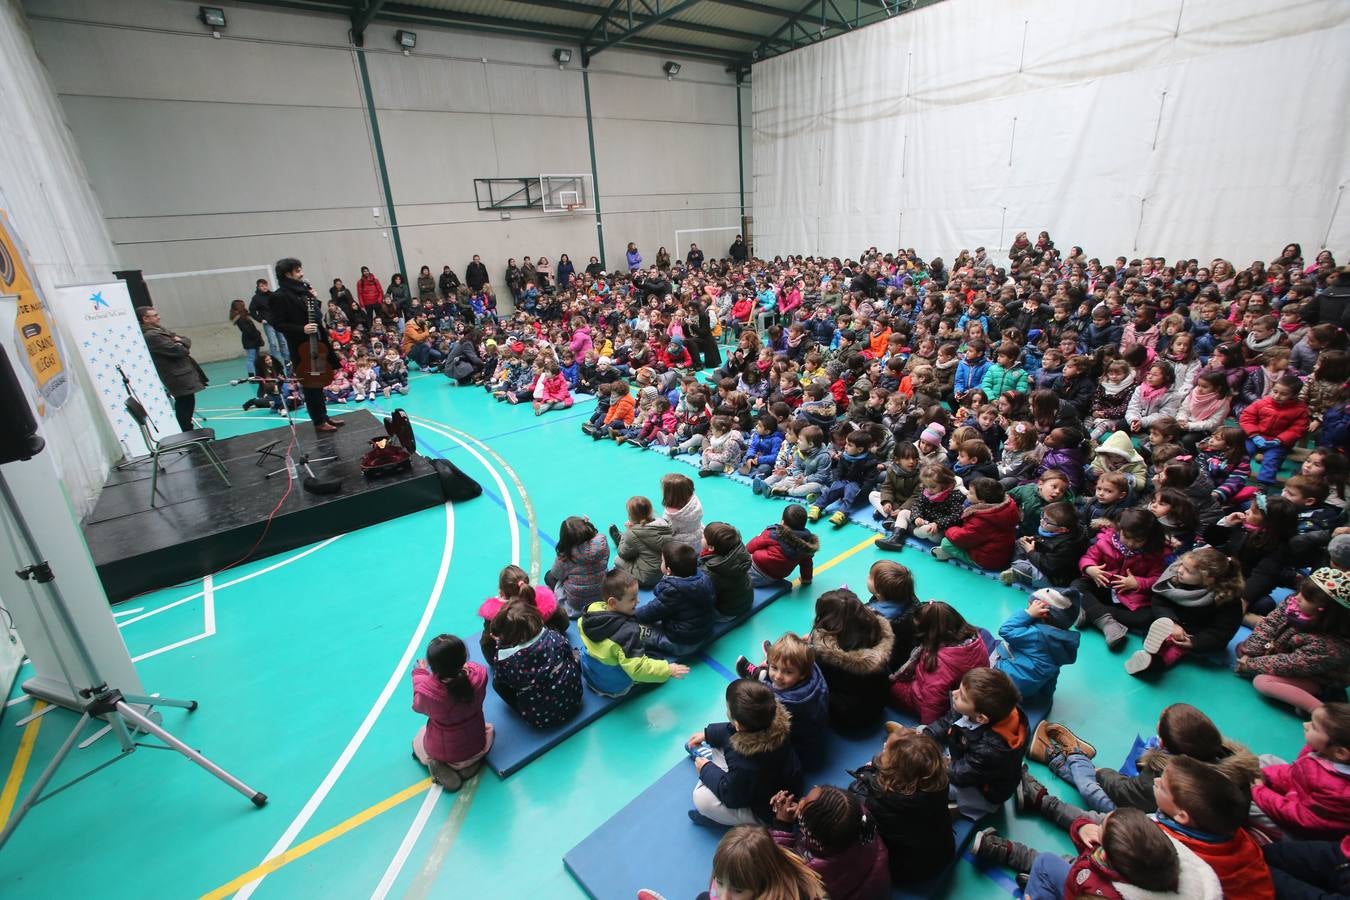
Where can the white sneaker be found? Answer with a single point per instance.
(1158, 632)
(1139, 661)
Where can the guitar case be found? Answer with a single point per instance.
(392, 452)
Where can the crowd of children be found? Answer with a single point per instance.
(1148, 447)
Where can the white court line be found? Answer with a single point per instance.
(119, 613)
(240, 580)
(396, 677)
(409, 841)
(208, 622)
(419, 822)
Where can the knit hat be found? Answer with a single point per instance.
(1336, 583)
(1063, 602)
(933, 434)
(491, 342)
(604, 361)
(1339, 551)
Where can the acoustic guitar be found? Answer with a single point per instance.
(312, 365)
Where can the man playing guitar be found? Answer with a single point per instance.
(293, 307)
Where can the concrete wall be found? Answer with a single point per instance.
(210, 153)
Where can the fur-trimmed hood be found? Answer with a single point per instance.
(864, 660)
(796, 544)
(752, 743)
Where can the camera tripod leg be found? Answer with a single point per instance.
(34, 795)
(149, 727)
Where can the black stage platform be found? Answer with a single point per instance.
(199, 525)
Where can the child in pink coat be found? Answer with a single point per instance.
(1310, 797)
(1119, 570)
(946, 648)
(553, 391)
(448, 689)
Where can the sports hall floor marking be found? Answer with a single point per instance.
(10, 793)
(396, 678)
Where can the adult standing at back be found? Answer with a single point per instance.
(634, 257)
(565, 272)
(260, 309)
(739, 252)
(369, 291)
(476, 275)
(694, 259)
(181, 375)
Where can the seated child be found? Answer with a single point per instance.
(905, 789)
(947, 648)
(580, 563)
(899, 482)
(1127, 855)
(807, 469)
(1183, 730)
(723, 448)
(1110, 496)
(1051, 486)
(1064, 453)
(679, 618)
(853, 472)
(1035, 643)
(639, 545)
(891, 587)
(790, 670)
(853, 649)
(513, 583)
(781, 548)
(929, 512)
(534, 669)
(553, 392)
(1273, 425)
(448, 689)
(614, 659)
(750, 862)
(987, 532)
(622, 410)
(1309, 797)
(1300, 653)
(1017, 463)
(1050, 558)
(743, 763)
(681, 510)
(1310, 868)
(1197, 608)
(1118, 574)
(985, 736)
(831, 830)
(1118, 454)
(727, 562)
(762, 450)
(1316, 519)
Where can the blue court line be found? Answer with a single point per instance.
(998, 876)
(717, 667)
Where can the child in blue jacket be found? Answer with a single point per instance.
(1035, 643)
(679, 619)
(970, 371)
(790, 671)
(765, 442)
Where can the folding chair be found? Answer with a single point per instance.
(184, 442)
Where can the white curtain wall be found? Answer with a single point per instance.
(45, 191)
(1175, 127)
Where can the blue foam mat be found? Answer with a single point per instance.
(516, 744)
(651, 843)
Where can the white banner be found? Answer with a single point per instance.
(107, 335)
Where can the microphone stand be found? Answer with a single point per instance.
(148, 430)
(269, 450)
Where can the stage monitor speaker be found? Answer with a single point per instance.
(18, 429)
(136, 287)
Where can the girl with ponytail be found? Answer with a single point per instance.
(1197, 608)
(448, 689)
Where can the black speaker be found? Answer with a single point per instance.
(18, 429)
(140, 294)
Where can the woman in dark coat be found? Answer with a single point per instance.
(707, 344)
(463, 362)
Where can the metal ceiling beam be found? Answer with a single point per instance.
(626, 34)
(363, 13)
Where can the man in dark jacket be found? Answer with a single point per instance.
(679, 618)
(1332, 305)
(448, 283)
(291, 316)
(695, 257)
(738, 251)
(260, 310)
(181, 375)
(476, 275)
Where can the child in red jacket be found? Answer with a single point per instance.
(948, 648)
(1310, 798)
(987, 532)
(1273, 425)
(780, 548)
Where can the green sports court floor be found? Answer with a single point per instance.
(301, 663)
